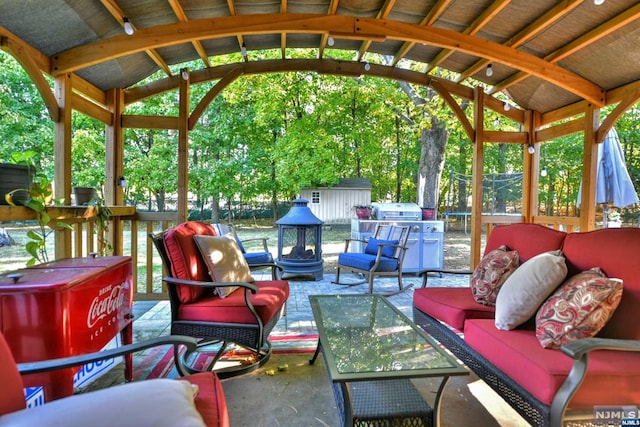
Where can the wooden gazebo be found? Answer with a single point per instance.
(554, 63)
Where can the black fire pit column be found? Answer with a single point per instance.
(300, 241)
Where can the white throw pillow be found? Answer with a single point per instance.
(225, 261)
(156, 402)
(527, 288)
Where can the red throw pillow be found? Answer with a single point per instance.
(580, 308)
(488, 276)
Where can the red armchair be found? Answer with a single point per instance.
(154, 402)
(232, 311)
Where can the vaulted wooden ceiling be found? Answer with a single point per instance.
(543, 54)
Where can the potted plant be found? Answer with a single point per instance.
(38, 197)
(363, 211)
(103, 217)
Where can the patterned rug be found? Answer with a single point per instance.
(159, 362)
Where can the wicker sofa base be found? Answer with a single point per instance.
(530, 408)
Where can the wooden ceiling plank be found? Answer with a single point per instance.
(617, 22)
(434, 13)
(544, 21)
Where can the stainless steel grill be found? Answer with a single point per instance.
(426, 241)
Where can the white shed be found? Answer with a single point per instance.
(336, 205)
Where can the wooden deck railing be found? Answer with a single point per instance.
(134, 228)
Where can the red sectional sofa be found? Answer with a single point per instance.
(542, 383)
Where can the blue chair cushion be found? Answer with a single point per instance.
(366, 261)
(387, 251)
(258, 258)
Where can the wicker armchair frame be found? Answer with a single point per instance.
(252, 337)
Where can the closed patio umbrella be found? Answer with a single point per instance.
(613, 183)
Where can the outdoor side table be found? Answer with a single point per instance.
(371, 351)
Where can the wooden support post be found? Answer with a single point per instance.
(114, 166)
(477, 170)
(62, 159)
(531, 171)
(183, 146)
(589, 170)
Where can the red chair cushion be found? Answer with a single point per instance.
(271, 296)
(612, 377)
(451, 305)
(210, 401)
(12, 399)
(528, 239)
(186, 261)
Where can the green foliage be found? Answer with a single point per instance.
(40, 195)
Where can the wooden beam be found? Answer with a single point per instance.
(466, 125)
(212, 94)
(544, 21)
(476, 177)
(182, 17)
(383, 13)
(562, 129)
(633, 96)
(506, 137)
(84, 106)
(480, 22)
(149, 122)
(344, 26)
(589, 170)
(20, 51)
(630, 15)
(62, 159)
(434, 13)
(183, 150)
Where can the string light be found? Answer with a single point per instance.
(598, 2)
(531, 149)
(543, 172)
(506, 106)
(331, 41)
(243, 50)
(496, 122)
(367, 66)
(128, 28)
(489, 71)
(184, 73)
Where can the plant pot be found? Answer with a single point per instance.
(12, 177)
(363, 212)
(84, 194)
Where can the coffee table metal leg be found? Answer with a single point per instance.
(317, 352)
(438, 401)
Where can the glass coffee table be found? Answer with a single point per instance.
(371, 351)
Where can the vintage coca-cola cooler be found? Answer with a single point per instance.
(66, 308)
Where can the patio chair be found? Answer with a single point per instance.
(232, 311)
(383, 255)
(152, 402)
(257, 260)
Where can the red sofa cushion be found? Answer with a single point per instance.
(210, 401)
(615, 251)
(186, 261)
(451, 305)
(528, 239)
(612, 378)
(271, 296)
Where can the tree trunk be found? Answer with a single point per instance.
(431, 165)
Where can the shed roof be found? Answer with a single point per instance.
(543, 54)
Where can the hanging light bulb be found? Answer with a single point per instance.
(496, 122)
(489, 70)
(128, 28)
(243, 50)
(506, 106)
(184, 73)
(531, 149)
(367, 66)
(598, 2)
(543, 172)
(330, 41)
